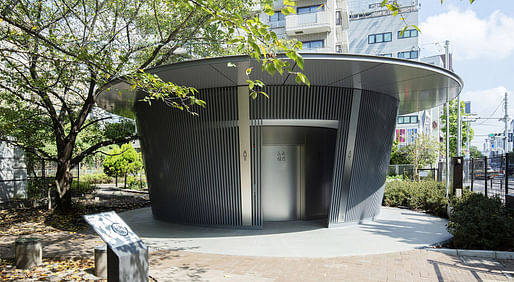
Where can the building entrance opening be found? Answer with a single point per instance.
(297, 168)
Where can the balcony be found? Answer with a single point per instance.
(310, 23)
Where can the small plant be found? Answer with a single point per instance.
(479, 222)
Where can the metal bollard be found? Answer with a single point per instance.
(28, 252)
(101, 261)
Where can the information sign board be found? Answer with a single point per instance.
(112, 229)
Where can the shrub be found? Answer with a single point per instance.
(81, 187)
(134, 182)
(428, 196)
(397, 193)
(479, 222)
(96, 178)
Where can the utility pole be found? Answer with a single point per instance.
(447, 65)
(467, 142)
(459, 129)
(506, 120)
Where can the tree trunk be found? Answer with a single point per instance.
(63, 180)
(125, 184)
(116, 181)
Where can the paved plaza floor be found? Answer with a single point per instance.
(413, 265)
(393, 230)
(390, 248)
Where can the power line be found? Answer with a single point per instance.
(501, 103)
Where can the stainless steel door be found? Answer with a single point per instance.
(279, 182)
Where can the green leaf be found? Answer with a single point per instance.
(250, 84)
(403, 30)
(231, 65)
(249, 71)
(302, 78)
(289, 3)
(264, 93)
(269, 10)
(299, 61)
(270, 68)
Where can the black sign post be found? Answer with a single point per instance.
(127, 255)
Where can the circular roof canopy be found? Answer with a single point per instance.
(417, 85)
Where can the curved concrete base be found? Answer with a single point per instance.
(392, 231)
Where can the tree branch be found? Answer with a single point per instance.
(170, 37)
(97, 146)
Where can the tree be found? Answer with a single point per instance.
(57, 56)
(453, 127)
(424, 151)
(474, 152)
(398, 156)
(122, 161)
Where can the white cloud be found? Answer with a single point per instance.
(488, 103)
(471, 37)
(485, 102)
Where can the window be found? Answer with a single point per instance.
(389, 55)
(315, 44)
(310, 9)
(407, 119)
(380, 37)
(277, 20)
(408, 34)
(339, 49)
(408, 55)
(412, 134)
(339, 19)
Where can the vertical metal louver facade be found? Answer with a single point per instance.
(374, 137)
(192, 161)
(337, 135)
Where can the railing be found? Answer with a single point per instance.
(308, 23)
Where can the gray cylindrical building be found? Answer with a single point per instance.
(304, 153)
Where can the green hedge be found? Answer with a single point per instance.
(479, 222)
(96, 178)
(428, 196)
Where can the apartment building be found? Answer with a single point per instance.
(322, 26)
(361, 27)
(374, 30)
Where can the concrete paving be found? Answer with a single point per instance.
(394, 230)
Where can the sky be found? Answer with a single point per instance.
(481, 39)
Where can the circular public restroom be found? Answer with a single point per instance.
(305, 153)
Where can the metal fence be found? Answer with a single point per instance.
(408, 172)
(27, 179)
(491, 176)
